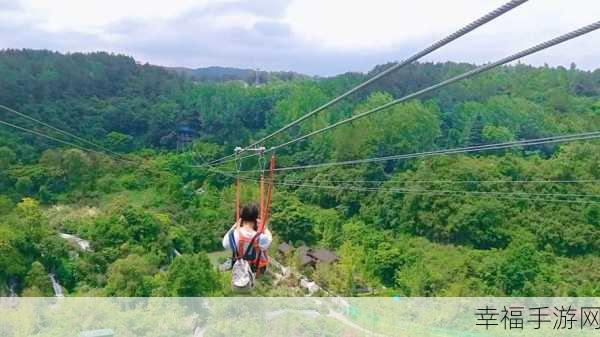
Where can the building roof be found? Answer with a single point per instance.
(185, 129)
(323, 255)
(305, 259)
(302, 250)
(284, 248)
(302, 253)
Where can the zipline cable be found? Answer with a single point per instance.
(405, 190)
(498, 195)
(484, 194)
(437, 45)
(584, 181)
(50, 137)
(528, 142)
(484, 68)
(294, 184)
(63, 132)
(439, 181)
(537, 48)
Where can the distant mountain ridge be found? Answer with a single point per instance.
(222, 74)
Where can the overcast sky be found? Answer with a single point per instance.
(318, 37)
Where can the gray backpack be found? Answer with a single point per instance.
(242, 277)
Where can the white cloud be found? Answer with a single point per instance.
(380, 23)
(77, 15)
(313, 36)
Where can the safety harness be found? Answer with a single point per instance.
(253, 253)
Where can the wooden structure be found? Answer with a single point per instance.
(185, 134)
(309, 256)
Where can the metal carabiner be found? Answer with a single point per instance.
(238, 162)
(262, 162)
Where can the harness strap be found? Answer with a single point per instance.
(264, 213)
(262, 202)
(233, 246)
(237, 254)
(257, 262)
(237, 198)
(251, 245)
(270, 189)
(266, 197)
(238, 167)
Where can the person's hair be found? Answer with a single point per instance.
(250, 213)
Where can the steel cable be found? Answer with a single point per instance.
(497, 146)
(63, 132)
(437, 45)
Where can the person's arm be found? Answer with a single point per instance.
(226, 239)
(265, 239)
(226, 244)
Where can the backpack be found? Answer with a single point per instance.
(242, 277)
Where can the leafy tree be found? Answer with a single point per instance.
(404, 128)
(303, 97)
(7, 157)
(130, 277)
(385, 261)
(481, 223)
(12, 262)
(6, 205)
(37, 281)
(32, 219)
(452, 225)
(45, 195)
(291, 222)
(120, 142)
(53, 252)
(492, 134)
(192, 275)
(592, 215)
(51, 158)
(476, 130)
(349, 270)
(24, 186)
(77, 165)
(566, 237)
(520, 269)
(142, 227)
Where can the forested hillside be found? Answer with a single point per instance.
(250, 76)
(519, 221)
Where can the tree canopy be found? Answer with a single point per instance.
(488, 223)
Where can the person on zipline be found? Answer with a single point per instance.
(248, 243)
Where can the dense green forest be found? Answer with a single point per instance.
(250, 76)
(484, 223)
